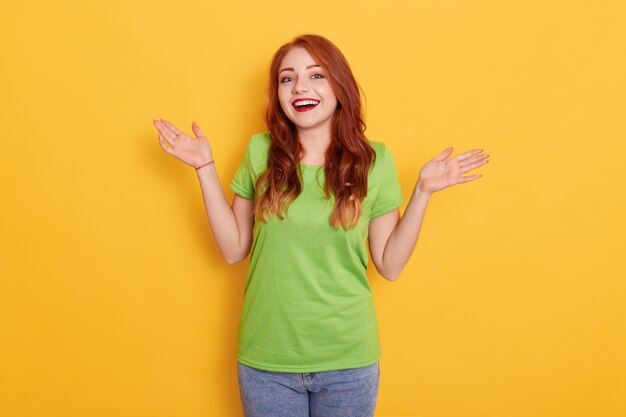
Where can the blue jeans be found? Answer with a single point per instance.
(343, 393)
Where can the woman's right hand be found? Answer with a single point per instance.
(192, 151)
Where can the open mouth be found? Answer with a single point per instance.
(302, 105)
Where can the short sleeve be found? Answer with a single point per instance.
(243, 182)
(389, 194)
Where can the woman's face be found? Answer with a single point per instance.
(304, 92)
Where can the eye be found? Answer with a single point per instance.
(317, 75)
(286, 79)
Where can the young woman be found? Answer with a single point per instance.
(309, 195)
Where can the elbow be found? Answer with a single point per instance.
(235, 257)
(234, 260)
(389, 275)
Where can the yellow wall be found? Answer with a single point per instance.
(115, 301)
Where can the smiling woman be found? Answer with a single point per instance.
(312, 195)
(329, 131)
(303, 88)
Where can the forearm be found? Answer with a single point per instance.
(221, 217)
(402, 240)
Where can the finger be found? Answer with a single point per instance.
(172, 127)
(160, 126)
(473, 159)
(469, 178)
(164, 145)
(474, 165)
(443, 155)
(467, 154)
(165, 131)
(197, 131)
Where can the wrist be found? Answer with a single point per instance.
(209, 161)
(420, 190)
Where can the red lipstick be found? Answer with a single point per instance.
(304, 104)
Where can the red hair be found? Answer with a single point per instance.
(348, 157)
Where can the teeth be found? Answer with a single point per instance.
(306, 103)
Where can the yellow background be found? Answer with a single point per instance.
(115, 301)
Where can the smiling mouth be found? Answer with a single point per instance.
(303, 105)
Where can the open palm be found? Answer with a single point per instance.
(441, 171)
(192, 151)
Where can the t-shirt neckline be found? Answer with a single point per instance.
(310, 167)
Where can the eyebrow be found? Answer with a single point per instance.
(291, 69)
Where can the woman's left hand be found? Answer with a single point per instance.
(441, 172)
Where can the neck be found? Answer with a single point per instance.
(314, 144)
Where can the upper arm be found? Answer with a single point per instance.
(385, 212)
(380, 229)
(243, 209)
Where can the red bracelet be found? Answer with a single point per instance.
(208, 163)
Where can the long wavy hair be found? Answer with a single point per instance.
(348, 157)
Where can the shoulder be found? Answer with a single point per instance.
(382, 151)
(258, 148)
(260, 140)
(379, 147)
(383, 157)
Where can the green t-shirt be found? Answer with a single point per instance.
(308, 305)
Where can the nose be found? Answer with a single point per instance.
(300, 86)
